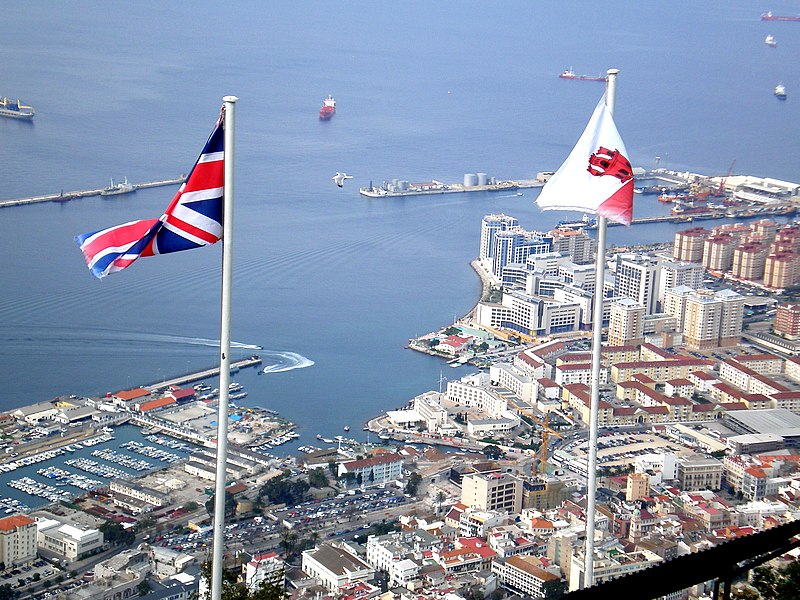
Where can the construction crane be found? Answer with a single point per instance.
(721, 189)
(542, 454)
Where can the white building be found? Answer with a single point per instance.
(66, 540)
(334, 565)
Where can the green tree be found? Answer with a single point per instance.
(7, 592)
(492, 452)
(765, 581)
(333, 468)
(412, 485)
(191, 506)
(317, 478)
(116, 534)
(230, 504)
(143, 587)
(788, 581)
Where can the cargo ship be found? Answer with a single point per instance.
(328, 108)
(768, 16)
(570, 74)
(16, 110)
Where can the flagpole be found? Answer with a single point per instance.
(224, 351)
(597, 338)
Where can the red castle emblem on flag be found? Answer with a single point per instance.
(610, 162)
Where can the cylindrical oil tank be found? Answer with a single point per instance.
(470, 179)
(483, 179)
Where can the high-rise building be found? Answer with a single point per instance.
(749, 260)
(501, 492)
(781, 270)
(626, 327)
(576, 243)
(490, 225)
(515, 245)
(675, 303)
(718, 252)
(637, 278)
(787, 240)
(713, 319)
(675, 273)
(688, 244)
(787, 320)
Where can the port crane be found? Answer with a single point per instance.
(721, 189)
(541, 455)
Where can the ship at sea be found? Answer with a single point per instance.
(780, 91)
(768, 16)
(118, 188)
(570, 74)
(328, 108)
(770, 41)
(15, 109)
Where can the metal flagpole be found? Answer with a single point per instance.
(224, 351)
(597, 321)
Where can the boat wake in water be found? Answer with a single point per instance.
(278, 362)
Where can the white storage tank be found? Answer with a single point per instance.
(483, 179)
(470, 180)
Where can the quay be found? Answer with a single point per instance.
(205, 374)
(437, 187)
(66, 196)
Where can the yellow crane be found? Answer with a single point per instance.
(542, 454)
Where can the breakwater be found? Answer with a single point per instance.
(67, 196)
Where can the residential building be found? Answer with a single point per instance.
(525, 575)
(500, 492)
(698, 472)
(637, 278)
(688, 244)
(627, 323)
(787, 320)
(375, 469)
(17, 540)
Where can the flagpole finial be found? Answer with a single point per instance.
(229, 98)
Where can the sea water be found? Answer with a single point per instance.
(329, 283)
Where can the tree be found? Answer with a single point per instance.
(317, 478)
(451, 331)
(492, 452)
(143, 587)
(115, 533)
(230, 504)
(413, 484)
(7, 592)
(788, 581)
(765, 580)
(333, 468)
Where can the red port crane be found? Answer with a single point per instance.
(721, 190)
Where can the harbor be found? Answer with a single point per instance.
(104, 191)
(473, 182)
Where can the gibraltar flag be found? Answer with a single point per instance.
(597, 176)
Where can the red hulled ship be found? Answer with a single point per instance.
(328, 108)
(768, 16)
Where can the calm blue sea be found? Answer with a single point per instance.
(322, 275)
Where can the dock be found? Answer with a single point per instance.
(67, 196)
(437, 187)
(204, 374)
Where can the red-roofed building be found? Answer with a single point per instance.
(154, 404)
(376, 469)
(181, 395)
(469, 555)
(17, 541)
(127, 398)
(453, 344)
(526, 575)
(263, 567)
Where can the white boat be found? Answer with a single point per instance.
(780, 91)
(118, 188)
(770, 41)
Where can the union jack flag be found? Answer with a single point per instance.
(193, 218)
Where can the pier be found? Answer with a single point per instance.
(437, 187)
(205, 374)
(67, 196)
